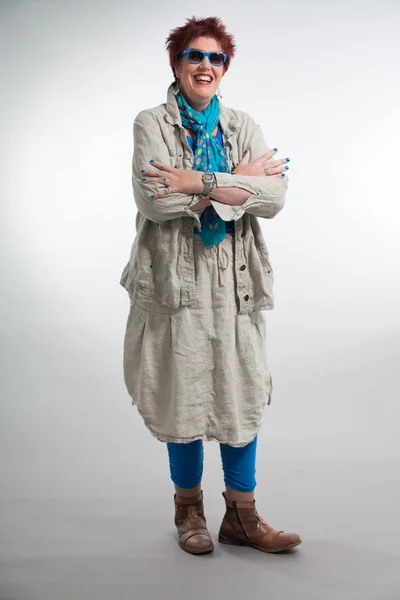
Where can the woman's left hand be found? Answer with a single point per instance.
(184, 181)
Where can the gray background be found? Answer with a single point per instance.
(86, 497)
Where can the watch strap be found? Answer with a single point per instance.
(208, 179)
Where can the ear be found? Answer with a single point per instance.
(176, 71)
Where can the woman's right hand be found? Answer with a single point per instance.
(257, 167)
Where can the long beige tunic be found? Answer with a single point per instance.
(200, 371)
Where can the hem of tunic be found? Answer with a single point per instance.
(161, 437)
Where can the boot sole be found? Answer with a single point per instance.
(223, 539)
(194, 551)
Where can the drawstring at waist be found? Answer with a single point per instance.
(221, 254)
(220, 260)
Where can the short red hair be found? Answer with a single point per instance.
(181, 37)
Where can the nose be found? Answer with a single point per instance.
(206, 62)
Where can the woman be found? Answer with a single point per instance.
(199, 278)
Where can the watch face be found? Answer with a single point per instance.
(208, 177)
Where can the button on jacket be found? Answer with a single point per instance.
(161, 267)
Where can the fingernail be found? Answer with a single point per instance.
(275, 149)
(245, 151)
(151, 160)
(142, 171)
(151, 196)
(144, 179)
(286, 167)
(288, 159)
(282, 174)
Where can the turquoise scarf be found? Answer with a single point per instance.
(209, 155)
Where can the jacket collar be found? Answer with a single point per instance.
(229, 123)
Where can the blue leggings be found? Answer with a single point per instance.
(239, 464)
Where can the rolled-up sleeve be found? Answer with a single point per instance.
(267, 192)
(148, 144)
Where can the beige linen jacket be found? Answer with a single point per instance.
(161, 265)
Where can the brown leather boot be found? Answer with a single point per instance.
(192, 524)
(243, 526)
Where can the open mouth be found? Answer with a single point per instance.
(202, 79)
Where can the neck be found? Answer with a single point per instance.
(198, 106)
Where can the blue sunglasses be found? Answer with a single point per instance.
(217, 59)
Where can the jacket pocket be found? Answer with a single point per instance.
(264, 257)
(138, 275)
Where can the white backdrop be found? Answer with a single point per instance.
(322, 79)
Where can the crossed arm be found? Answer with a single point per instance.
(233, 195)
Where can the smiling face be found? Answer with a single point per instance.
(198, 94)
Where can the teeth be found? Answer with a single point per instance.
(202, 78)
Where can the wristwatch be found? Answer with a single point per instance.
(208, 179)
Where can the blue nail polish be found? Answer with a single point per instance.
(144, 179)
(151, 196)
(288, 159)
(152, 160)
(275, 149)
(245, 151)
(286, 167)
(283, 174)
(142, 171)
